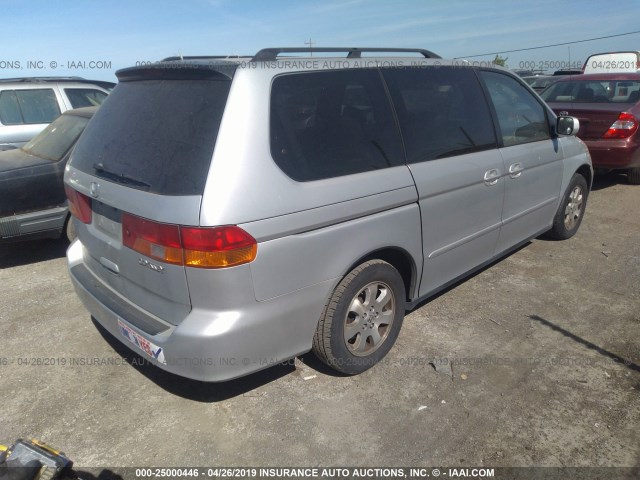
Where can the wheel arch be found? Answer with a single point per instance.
(400, 259)
(587, 173)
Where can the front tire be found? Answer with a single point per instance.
(571, 210)
(362, 319)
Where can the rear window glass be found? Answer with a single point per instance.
(55, 140)
(593, 91)
(155, 135)
(19, 107)
(329, 124)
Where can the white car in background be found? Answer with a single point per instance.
(28, 105)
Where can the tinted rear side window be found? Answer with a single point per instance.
(85, 97)
(442, 112)
(19, 107)
(155, 135)
(328, 124)
(9, 108)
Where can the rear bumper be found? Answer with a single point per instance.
(614, 154)
(208, 345)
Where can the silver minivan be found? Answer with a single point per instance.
(235, 213)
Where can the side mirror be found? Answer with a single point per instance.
(567, 126)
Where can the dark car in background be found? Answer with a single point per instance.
(32, 198)
(608, 108)
(540, 82)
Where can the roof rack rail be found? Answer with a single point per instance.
(270, 54)
(202, 57)
(40, 79)
(101, 83)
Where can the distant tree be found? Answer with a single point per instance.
(500, 61)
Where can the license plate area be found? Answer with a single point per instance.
(150, 349)
(107, 220)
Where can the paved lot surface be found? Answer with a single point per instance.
(545, 348)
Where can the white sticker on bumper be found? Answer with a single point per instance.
(142, 343)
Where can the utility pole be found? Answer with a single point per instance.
(310, 43)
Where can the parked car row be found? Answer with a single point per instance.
(28, 104)
(604, 97)
(540, 82)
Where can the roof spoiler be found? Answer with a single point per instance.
(172, 70)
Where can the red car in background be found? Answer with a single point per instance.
(608, 108)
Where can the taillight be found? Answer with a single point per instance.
(155, 240)
(623, 127)
(217, 247)
(79, 204)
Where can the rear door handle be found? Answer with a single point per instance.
(515, 170)
(491, 177)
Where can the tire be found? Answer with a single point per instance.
(633, 176)
(70, 229)
(362, 318)
(571, 210)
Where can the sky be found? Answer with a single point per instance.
(94, 39)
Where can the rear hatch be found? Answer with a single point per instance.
(143, 160)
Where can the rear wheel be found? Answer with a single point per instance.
(571, 210)
(633, 176)
(362, 319)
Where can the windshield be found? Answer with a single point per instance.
(593, 91)
(57, 138)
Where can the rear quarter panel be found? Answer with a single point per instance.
(299, 260)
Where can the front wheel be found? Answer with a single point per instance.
(362, 319)
(571, 210)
